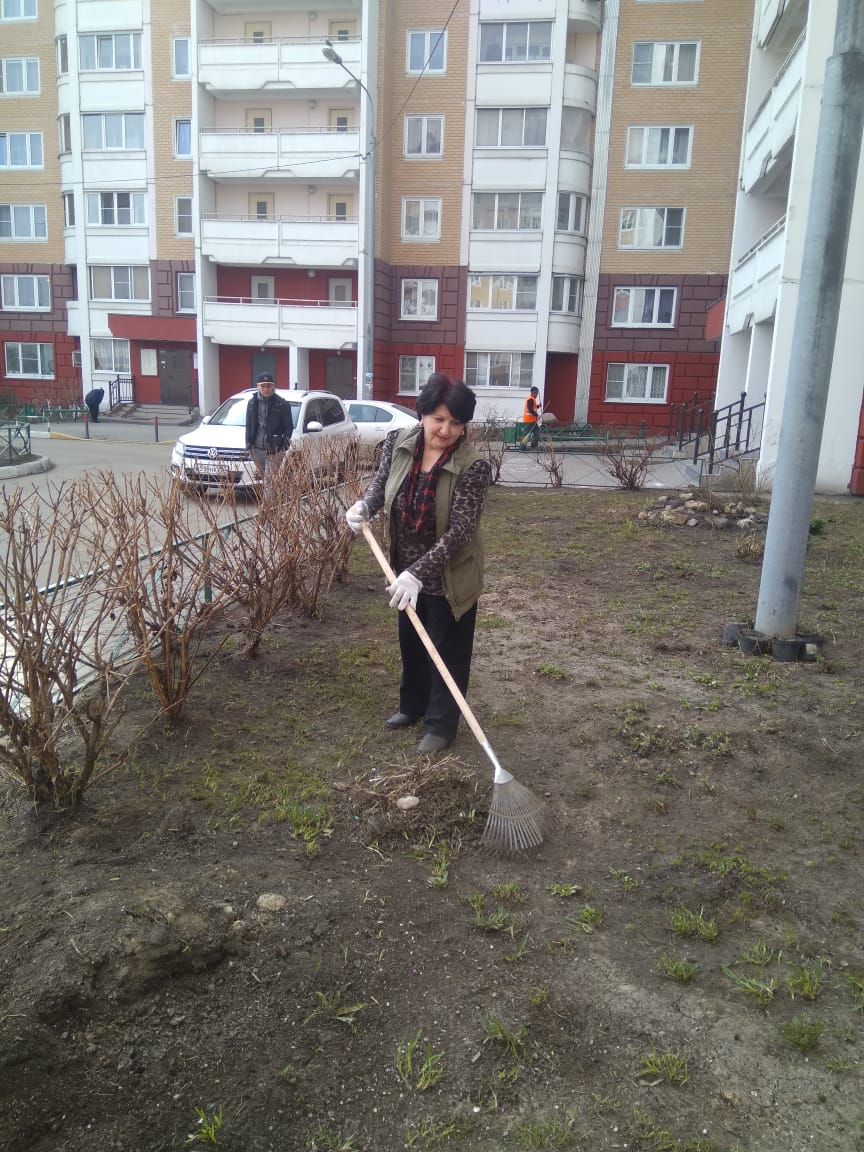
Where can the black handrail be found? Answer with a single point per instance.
(121, 390)
(733, 430)
(686, 418)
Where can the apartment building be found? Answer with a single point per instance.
(791, 41)
(518, 192)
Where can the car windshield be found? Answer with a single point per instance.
(233, 412)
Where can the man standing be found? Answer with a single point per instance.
(531, 418)
(269, 426)
(93, 399)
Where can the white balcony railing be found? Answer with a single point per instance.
(305, 153)
(311, 242)
(295, 63)
(755, 281)
(580, 87)
(585, 12)
(279, 323)
(772, 126)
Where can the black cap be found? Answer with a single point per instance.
(265, 378)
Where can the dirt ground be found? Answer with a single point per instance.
(238, 938)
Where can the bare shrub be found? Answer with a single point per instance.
(488, 438)
(552, 464)
(627, 457)
(163, 581)
(284, 555)
(64, 663)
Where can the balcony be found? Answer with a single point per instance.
(564, 332)
(755, 282)
(771, 132)
(588, 13)
(490, 251)
(279, 323)
(515, 331)
(580, 87)
(286, 64)
(309, 154)
(308, 241)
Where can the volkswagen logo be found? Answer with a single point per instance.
(213, 453)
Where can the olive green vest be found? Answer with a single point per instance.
(463, 576)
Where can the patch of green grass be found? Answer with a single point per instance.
(209, 1127)
(509, 890)
(564, 890)
(431, 1068)
(856, 987)
(498, 921)
(759, 953)
(491, 622)
(686, 923)
(677, 968)
(552, 672)
(805, 981)
(538, 997)
(331, 1005)
(802, 1032)
(495, 1031)
(440, 867)
(589, 917)
(650, 1137)
(762, 991)
(326, 1141)
(552, 1133)
(666, 1065)
(624, 879)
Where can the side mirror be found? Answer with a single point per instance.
(206, 419)
(314, 426)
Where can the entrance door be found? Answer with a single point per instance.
(259, 119)
(261, 205)
(342, 29)
(263, 362)
(258, 32)
(339, 290)
(175, 377)
(340, 376)
(341, 119)
(340, 206)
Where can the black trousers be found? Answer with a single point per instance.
(422, 692)
(94, 412)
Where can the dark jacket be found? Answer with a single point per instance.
(94, 397)
(280, 426)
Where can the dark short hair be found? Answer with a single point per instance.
(535, 389)
(265, 378)
(458, 398)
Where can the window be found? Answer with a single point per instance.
(20, 149)
(17, 9)
(69, 209)
(427, 52)
(651, 228)
(576, 130)
(658, 147)
(419, 300)
(499, 369)
(185, 291)
(119, 282)
(511, 128)
(673, 62)
(112, 209)
(414, 371)
(62, 56)
(29, 359)
(502, 293)
(23, 222)
(508, 211)
(526, 41)
(183, 139)
(110, 355)
(26, 293)
(421, 218)
(567, 294)
(637, 383)
(643, 307)
(183, 215)
(570, 212)
(64, 125)
(19, 75)
(181, 67)
(109, 51)
(263, 287)
(110, 130)
(423, 135)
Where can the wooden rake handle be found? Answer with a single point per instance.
(426, 639)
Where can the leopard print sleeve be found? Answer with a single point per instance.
(469, 496)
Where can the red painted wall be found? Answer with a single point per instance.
(856, 484)
(689, 372)
(449, 358)
(66, 384)
(291, 283)
(559, 388)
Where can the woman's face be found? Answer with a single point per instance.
(441, 429)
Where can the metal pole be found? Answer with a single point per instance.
(826, 239)
(156, 427)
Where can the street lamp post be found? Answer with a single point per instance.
(367, 249)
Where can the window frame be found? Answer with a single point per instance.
(498, 209)
(426, 69)
(573, 227)
(420, 285)
(661, 165)
(637, 292)
(44, 354)
(184, 291)
(633, 368)
(62, 48)
(28, 148)
(421, 237)
(525, 369)
(97, 38)
(179, 122)
(119, 364)
(64, 132)
(176, 74)
(513, 24)
(113, 270)
(4, 18)
(425, 118)
(29, 67)
(68, 209)
(137, 200)
(15, 278)
(101, 116)
(501, 114)
(33, 211)
(641, 226)
(178, 215)
(420, 377)
(656, 79)
(516, 288)
(570, 284)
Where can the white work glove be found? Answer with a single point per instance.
(357, 515)
(405, 589)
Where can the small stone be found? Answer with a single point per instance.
(405, 803)
(271, 902)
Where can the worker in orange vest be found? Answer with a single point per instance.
(531, 416)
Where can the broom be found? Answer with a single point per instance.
(515, 821)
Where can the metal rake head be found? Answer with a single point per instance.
(516, 820)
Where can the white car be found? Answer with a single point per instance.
(374, 419)
(215, 451)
